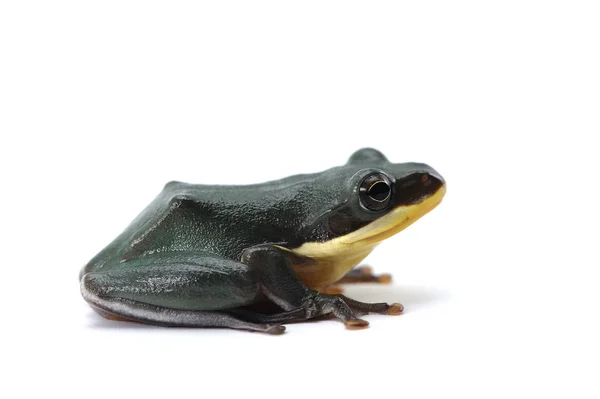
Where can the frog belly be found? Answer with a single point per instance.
(327, 269)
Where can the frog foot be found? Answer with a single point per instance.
(367, 270)
(346, 309)
(364, 274)
(382, 308)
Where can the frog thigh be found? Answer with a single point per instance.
(175, 289)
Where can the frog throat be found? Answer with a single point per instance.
(334, 258)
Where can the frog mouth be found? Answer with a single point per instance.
(394, 222)
(363, 240)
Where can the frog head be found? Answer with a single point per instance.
(366, 201)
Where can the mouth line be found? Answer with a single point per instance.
(360, 242)
(396, 221)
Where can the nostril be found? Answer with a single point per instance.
(425, 180)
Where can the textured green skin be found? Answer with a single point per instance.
(202, 231)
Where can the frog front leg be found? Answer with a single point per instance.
(281, 285)
(184, 289)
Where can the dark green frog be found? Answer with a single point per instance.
(212, 256)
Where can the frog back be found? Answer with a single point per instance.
(221, 220)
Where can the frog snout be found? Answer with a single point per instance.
(422, 183)
(432, 178)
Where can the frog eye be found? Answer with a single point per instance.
(375, 192)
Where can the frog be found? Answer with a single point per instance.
(213, 255)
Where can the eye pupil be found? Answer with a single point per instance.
(379, 191)
(375, 192)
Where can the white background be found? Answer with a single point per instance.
(102, 103)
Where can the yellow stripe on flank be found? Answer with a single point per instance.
(334, 258)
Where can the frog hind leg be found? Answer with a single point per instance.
(179, 290)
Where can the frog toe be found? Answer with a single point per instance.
(395, 309)
(275, 330)
(364, 274)
(356, 324)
